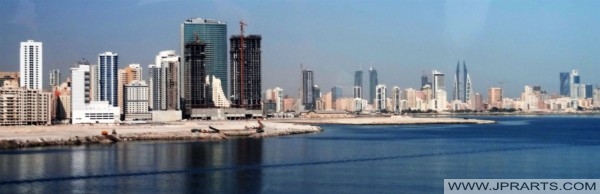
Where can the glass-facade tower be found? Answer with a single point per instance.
(106, 90)
(213, 34)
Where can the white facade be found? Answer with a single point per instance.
(31, 64)
(84, 110)
(218, 95)
(278, 99)
(162, 73)
(438, 82)
(136, 97)
(396, 105)
(380, 97)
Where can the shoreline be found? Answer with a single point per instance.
(12, 137)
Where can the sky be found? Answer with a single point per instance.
(505, 43)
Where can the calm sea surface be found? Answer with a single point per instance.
(342, 159)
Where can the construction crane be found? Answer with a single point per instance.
(242, 101)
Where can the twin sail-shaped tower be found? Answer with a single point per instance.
(463, 90)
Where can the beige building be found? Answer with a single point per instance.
(20, 106)
(9, 76)
(126, 76)
(495, 97)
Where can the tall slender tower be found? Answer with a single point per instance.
(373, 82)
(456, 91)
(31, 64)
(358, 84)
(308, 90)
(108, 63)
(467, 88)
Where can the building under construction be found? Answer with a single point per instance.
(197, 90)
(20, 106)
(245, 71)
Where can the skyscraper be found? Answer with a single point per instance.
(108, 63)
(456, 92)
(380, 97)
(396, 105)
(31, 64)
(424, 79)
(336, 93)
(358, 84)
(245, 71)
(462, 88)
(373, 82)
(54, 77)
(164, 82)
(131, 73)
(212, 34)
(308, 90)
(565, 84)
(438, 82)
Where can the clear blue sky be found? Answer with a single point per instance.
(517, 42)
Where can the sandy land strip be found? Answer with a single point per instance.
(30, 136)
(394, 120)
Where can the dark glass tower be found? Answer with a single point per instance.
(246, 76)
(308, 90)
(197, 91)
(373, 82)
(565, 86)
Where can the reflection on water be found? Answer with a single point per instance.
(342, 159)
(135, 167)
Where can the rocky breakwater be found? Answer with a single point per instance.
(98, 139)
(281, 129)
(24, 137)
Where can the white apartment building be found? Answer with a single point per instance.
(31, 64)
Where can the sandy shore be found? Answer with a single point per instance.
(31, 136)
(394, 120)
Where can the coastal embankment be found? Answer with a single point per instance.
(32, 136)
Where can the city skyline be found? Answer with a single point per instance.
(495, 37)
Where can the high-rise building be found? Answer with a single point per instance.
(358, 84)
(107, 85)
(396, 99)
(164, 82)
(308, 90)
(477, 102)
(136, 94)
(424, 80)
(207, 39)
(31, 56)
(495, 97)
(438, 82)
(336, 93)
(373, 82)
(278, 99)
(380, 97)
(133, 72)
(565, 84)
(84, 110)
(589, 91)
(245, 71)
(54, 77)
(462, 85)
